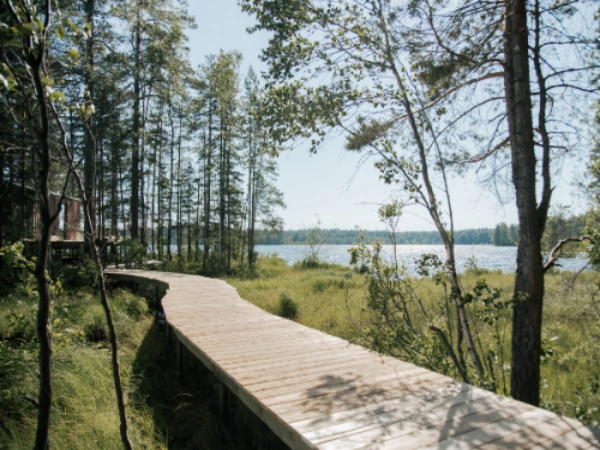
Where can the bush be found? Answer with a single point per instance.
(95, 325)
(77, 276)
(22, 322)
(14, 262)
(135, 307)
(310, 262)
(288, 308)
(133, 253)
(472, 267)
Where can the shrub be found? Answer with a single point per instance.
(22, 323)
(472, 267)
(133, 253)
(310, 262)
(14, 262)
(77, 276)
(288, 308)
(133, 306)
(320, 285)
(95, 325)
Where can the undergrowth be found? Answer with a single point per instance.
(165, 410)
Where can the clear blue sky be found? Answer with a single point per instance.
(328, 185)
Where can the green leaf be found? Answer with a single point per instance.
(73, 54)
(4, 82)
(60, 32)
(28, 29)
(70, 24)
(56, 96)
(47, 81)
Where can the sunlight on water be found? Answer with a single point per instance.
(486, 256)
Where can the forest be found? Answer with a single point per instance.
(111, 139)
(561, 225)
(501, 235)
(170, 155)
(349, 237)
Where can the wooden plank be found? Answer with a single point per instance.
(318, 360)
(274, 339)
(265, 352)
(315, 407)
(423, 424)
(482, 435)
(372, 409)
(541, 433)
(294, 352)
(578, 439)
(287, 372)
(281, 343)
(341, 374)
(275, 397)
(290, 436)
(265, 360)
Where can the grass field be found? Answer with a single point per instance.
(167, 411)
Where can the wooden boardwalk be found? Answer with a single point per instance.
(316, 391)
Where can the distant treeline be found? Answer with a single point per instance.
(476, 236)
(559, 226)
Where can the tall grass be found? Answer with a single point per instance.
(165, 410)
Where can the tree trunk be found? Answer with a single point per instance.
(529, 278)
(179, 227)
(153, 219)
(221, 189)
(89, 159)
(135, 151)
(47, 218)
(207, 186)
(171, 187)
(101, 187)
(159, 207)
(430, 201)
(3, 213)
(250, 198)
(112, 334)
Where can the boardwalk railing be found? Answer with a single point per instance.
(316, 391)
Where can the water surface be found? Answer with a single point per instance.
(486, 256)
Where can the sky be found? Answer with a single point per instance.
(329, 187)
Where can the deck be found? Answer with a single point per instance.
(316, 391)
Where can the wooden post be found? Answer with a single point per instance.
(223, 403)
(179, 357)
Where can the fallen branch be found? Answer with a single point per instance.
(31, 400)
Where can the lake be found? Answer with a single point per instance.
(486, 256)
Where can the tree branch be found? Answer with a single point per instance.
(446, 343)
(556, 253)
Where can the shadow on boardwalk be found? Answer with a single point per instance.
(353, 413)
